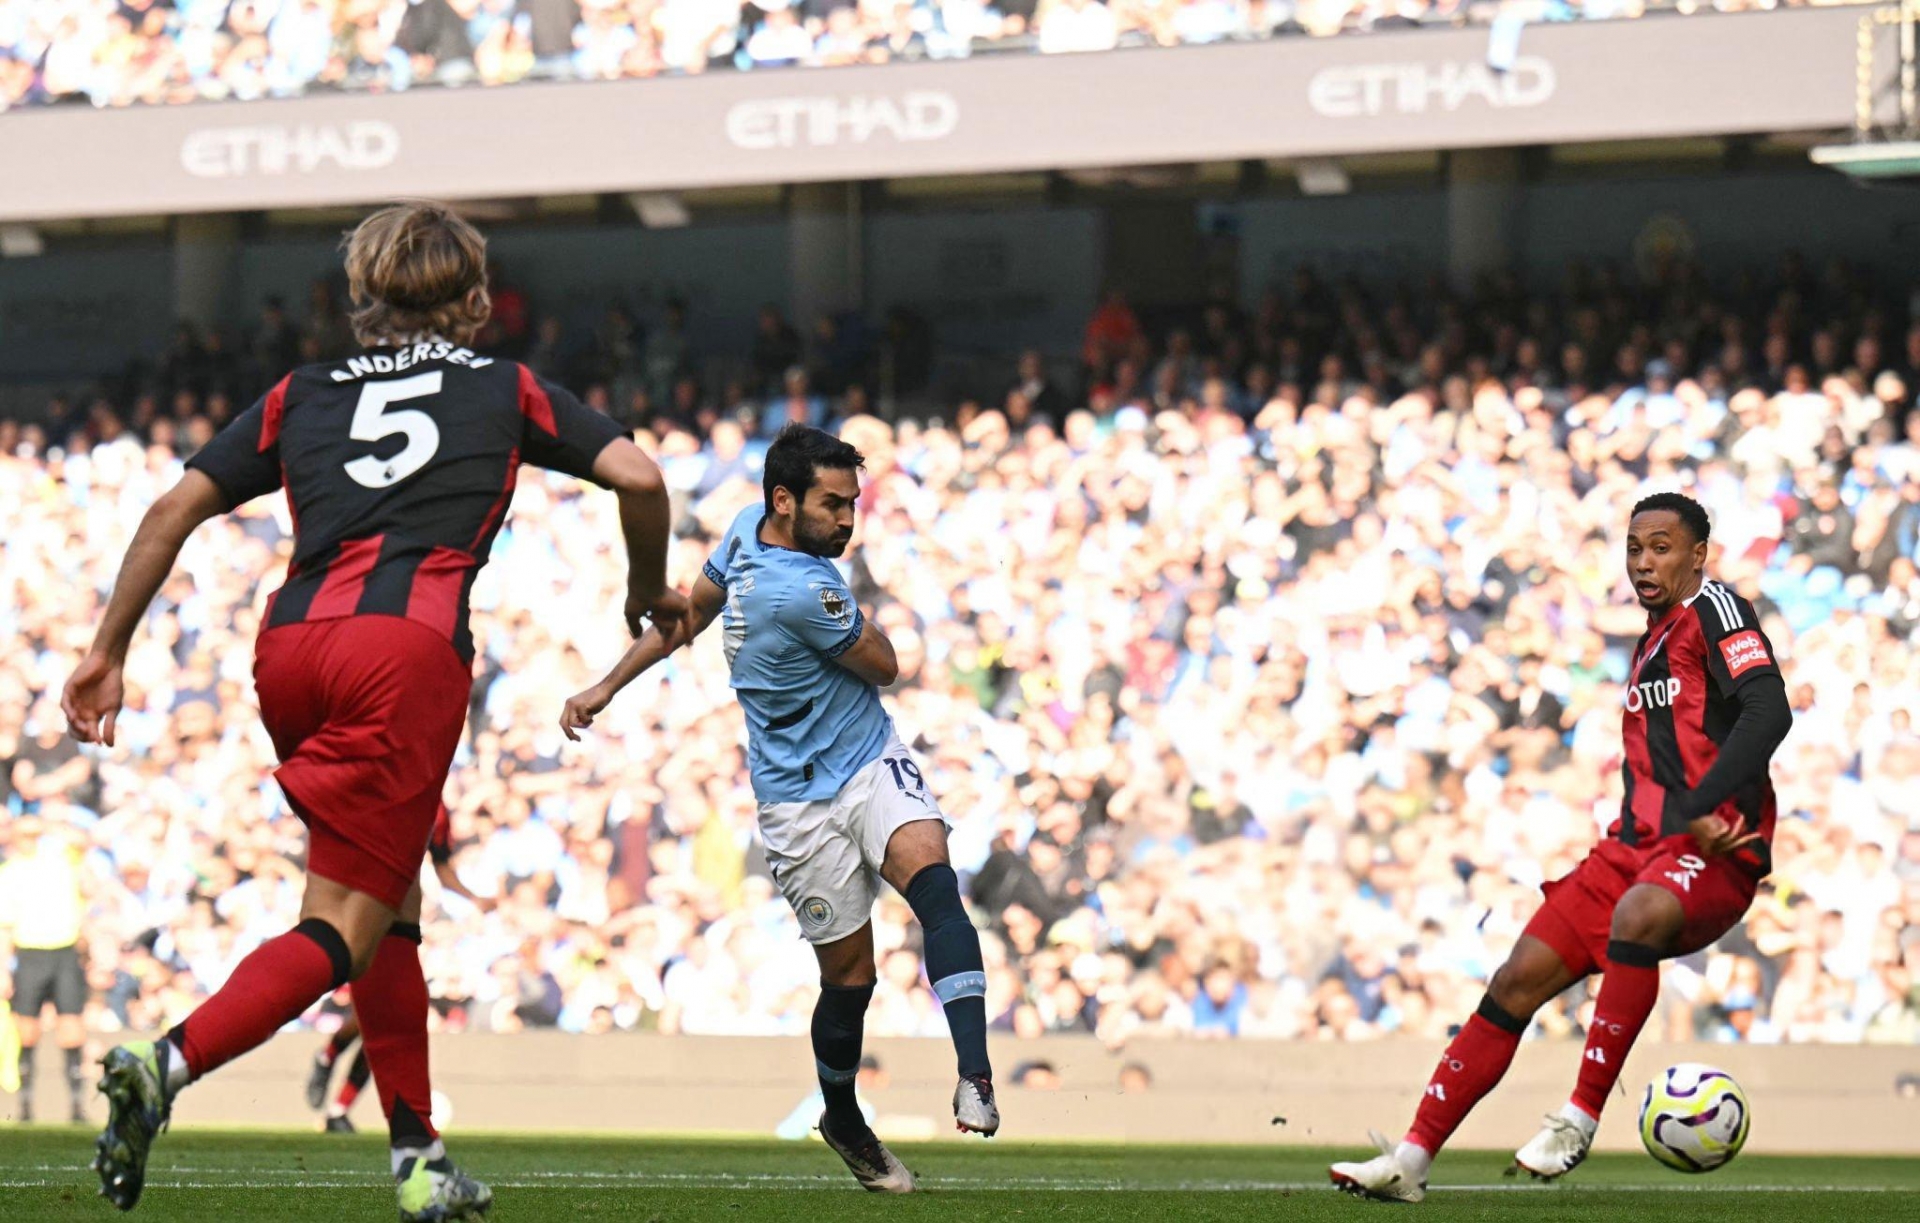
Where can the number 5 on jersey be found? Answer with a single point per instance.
(372, 422)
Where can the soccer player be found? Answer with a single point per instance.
(1705, 709)
(843, 803)
(41, 906)
(398, 464)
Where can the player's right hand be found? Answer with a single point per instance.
(1718, 838)
(92, 699)
(671, 614)
(580, 708)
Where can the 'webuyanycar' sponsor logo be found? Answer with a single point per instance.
(234, 152)
(1414, 89)
(785, 123)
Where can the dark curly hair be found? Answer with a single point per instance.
(1690, 511)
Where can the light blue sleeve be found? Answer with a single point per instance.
(721, 562)
(715, 568)
(819, 612)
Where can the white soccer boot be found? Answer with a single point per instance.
(1387, 1177)
(974, 1109)
(1560, 1146)
(875, 1167)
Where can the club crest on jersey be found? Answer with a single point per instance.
(838, 607)
(1744, 651)
(1654, 694)
(816, 912)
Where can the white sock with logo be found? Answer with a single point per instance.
(1415, 1159)
(1588, 1123)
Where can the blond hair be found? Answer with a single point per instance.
(417, 268)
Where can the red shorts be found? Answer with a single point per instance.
(365, 712)
(1577, 918)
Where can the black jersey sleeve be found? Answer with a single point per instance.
(1738, 651)
(244, 458)
(1763, 722)
(561, 433)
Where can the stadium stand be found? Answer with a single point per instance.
(110, 53)
(1266, 673)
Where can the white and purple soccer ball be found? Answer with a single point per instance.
(1694, 1118)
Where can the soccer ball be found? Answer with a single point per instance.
(1694, 1118)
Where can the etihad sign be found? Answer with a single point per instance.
(1414, 89)
(787, 123)
(237, 152)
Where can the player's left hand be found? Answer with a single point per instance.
(92, 699)
(580, 709)
(1717, 838)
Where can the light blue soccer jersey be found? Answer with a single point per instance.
(811, 723)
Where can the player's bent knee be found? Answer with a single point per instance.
(934, 896)
(1509, 991)
(1648, 916)
(848, 963)
(850, 972)
(348, 962)
(1524, 983)
(913, 848)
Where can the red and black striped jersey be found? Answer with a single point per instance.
(1680, 707)
(398, 465)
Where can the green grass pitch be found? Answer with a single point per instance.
(201, 1175)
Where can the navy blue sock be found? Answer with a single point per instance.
(953, 963)
(839, 1021)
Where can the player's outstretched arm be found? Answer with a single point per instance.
(93, 694)
(652, 646)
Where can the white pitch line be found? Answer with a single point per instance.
(688, 1180)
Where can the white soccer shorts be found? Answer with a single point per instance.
(826, 854)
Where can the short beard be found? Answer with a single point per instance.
(816, 545)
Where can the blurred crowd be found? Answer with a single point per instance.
(1266, 668)
(121, 52)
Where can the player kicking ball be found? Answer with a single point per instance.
(843, 803)
(1705, 709)
(398, 465)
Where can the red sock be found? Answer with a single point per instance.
(1627, 995)
(1470, 1068)
(271, 987)
(391, 1001)
(349, 1092)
